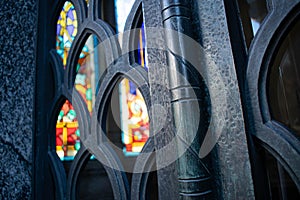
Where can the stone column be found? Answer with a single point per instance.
(18, 31)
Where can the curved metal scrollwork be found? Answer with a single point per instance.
(273, 137)
(93, 137)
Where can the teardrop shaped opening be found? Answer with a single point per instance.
(66, 30)
(67, 133)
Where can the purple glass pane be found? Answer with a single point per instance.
(70, 14)
(70, 29)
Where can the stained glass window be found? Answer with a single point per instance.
(66, 30)
(134, 115)
(141, 47)
(135, 120)
(84, 82)
(67, 132)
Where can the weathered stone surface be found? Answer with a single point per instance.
(15, 174)
(18, 29)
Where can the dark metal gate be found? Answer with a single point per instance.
(210, 91)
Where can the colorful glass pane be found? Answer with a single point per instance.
(67, 144)
(90, 66)
(67, 133)
(135, 120)
(85, 85)
(83, 81)
(66, 30)
(134, 115)
(141, 47)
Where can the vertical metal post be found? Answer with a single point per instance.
(161, 124)
(187, 98)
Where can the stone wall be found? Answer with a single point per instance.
(18, 28)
